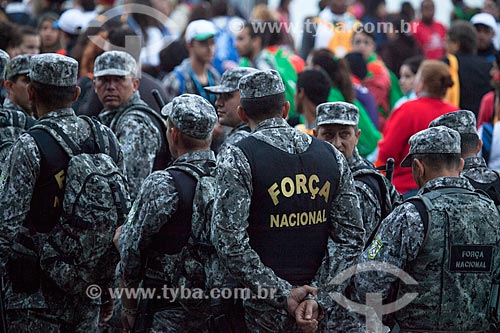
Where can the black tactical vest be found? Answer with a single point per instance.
(291, 205)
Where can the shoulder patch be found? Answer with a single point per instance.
(375, 248)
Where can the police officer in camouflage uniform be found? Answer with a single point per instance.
(16, 82)
(228, 99)
(446, 238)
(13, 121)
(475, 168)
(33, 301)
(286, 213)
(337, 123)
(135, 124)
(155, 232)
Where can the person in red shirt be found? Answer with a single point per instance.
(430, 35)
(432, 81)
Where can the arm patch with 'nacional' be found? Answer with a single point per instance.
(471, 258)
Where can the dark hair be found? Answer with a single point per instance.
(54, 97)
(337, 70)
(220, 8)
(463, 33)
(263, 107)
(357, 64)
(259, 29)
(372, 6)
(468, 143)
(118, 37)
(316, 85)
(439, 162)
(173, 55)
(27, 30)
(414, 63)
(407, 11)
(145, 21)
(10, 35)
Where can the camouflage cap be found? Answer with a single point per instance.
(117, 63)
(18, 65)
(337, 113)
(53, 69)
(261, 84)
(434, 140)
(230, 79)
(192, 114)
(462, 121)
(4, 60)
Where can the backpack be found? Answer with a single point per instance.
(94, 201)
(13, 123)
(380, 185)
(225, 49)
(163, 157)
(191, 269)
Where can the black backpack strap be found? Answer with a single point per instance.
(99, 134)
(42, 215)
(15, 120)
(422, 211)
(72, 145)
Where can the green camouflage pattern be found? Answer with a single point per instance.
(261, 84)
(115, 63)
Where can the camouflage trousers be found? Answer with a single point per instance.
(81, 319)
(179, 320)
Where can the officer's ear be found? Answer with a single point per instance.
(77, 92)
(135, 82)
(418, 167)
(461, 165)
(7, 84)
(285, 109)
(315, 132)
(479, 146)
(243, 116)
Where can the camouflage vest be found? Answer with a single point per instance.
(456, 265)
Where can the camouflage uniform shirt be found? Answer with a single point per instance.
(10, 105)
(155, 205)
(232, 209)
(139, 139)
(17, 184)
(241, 131)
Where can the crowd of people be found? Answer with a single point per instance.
(160, 145)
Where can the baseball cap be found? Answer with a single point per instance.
(53, 69)
(200, 30)
(192, 114)
(230, 79)
(484, 19)
(117, 63)
(434, 140)
(261, 84)
(340, 113)
(462, 121)
(18, 65)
